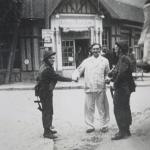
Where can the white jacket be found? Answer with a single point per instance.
(95, 71)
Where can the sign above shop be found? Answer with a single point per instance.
(48, 36)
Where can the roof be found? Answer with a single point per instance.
(35, 8)
(116, 8)
(123, 11)
(137, 3)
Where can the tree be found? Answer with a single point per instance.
(10, 18)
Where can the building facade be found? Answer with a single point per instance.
(75, 25)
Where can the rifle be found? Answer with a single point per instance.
(39, 104)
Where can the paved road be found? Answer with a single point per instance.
(21, 122)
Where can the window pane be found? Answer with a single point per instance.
(66, 64)
(63, 43)
(65, 54)
(70, 64)
(71, 43)
(105, 37)
(68, 53)
(67, 43)
(65, 50)
(70, 50)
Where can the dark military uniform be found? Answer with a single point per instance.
(124, 85)
(47, 81)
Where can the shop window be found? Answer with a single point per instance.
(138, 53)
(105, 37)
(136, 38)
(125, 35)
(68, 53)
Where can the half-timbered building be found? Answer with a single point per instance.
(76, 24)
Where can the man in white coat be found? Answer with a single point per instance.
(95, 69)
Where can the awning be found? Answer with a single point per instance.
(75, 29)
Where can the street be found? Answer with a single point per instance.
(21, 126)
(42, 42)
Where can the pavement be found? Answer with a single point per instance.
(142, 80)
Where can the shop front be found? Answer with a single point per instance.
(73, 36)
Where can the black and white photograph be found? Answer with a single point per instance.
(75, 74)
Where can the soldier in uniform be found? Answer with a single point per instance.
(47, 80)
(123, 87)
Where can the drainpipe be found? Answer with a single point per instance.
(46, 14)
(31, 9)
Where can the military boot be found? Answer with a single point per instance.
(48, 134)
(121, 135)
(53, 131)
(128, 131)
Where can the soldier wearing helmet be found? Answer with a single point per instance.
(47, 80)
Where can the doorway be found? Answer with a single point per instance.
(81, 50)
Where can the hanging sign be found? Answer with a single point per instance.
(26, 61)
(48, 37)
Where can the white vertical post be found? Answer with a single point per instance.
(98, 30)
(58, 50)
(92, 35)
(36, 50)
(96, 36)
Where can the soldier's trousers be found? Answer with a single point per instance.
(46, 98)
(122, 109)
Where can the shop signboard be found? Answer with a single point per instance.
(48, 37)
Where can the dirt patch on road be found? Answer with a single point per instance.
(78, 139)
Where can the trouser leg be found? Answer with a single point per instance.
(47, 113)
(103, 108)
(47, 120)
(122, 111)
(89, 109)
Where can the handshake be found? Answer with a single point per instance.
(107, 80)
(111, 84)
(75, 76)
